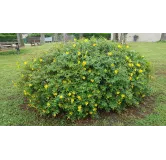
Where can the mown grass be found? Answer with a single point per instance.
(151, 112)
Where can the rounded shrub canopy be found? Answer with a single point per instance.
(81, 78)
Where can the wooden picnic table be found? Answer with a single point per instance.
(6, 45)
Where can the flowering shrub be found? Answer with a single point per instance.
(81, 78)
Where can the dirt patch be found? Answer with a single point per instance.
(161, 73)
(130, 113)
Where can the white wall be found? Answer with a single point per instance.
(144, 37)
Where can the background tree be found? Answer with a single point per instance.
(80, 35)
(55, 37)
(163, 37)
(42, 38)
(20, 40)
(123, 37)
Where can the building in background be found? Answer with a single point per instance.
(143, 37)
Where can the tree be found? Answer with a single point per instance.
(20, 40)
(163, 37)
(64, 37)
(80, 35)
(123, 37)
(55, 37)
(115, 37)
(42, 38)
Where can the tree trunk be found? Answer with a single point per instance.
(163, 37)
(116, 37)
(42, 38)
(55, 37)
(121, 38)
(20, 40)
(80, 35)
(64, 37)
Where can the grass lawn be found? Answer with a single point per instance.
(151, 112)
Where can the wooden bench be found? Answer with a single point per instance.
(6, 45)
(34, 40)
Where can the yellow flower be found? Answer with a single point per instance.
(127, 46)
(90, 112)
(40, 59)
(118, 92)
(25, 93)
(74, 45)
(94, 44)
(112, 65)
(48, 104)
(109, 53)
(130, 78)
(140, 71)
(25, 63)
(119, 102)
(86, 103)
(119, 46)
(60, 96)
(138, 65)
(67, 52)
(95, 105)
(69, 94)
(89, 70)
(130, 64)
(92, 80)
(55, 94)
(54, 115)
(46, 86)
(54, 60)
(79, 97)
(70, 113)
(84, 63)
(122, 95)
(89, 95)
(79, 108)
(83, 77)
(79, 53)
(86, 40)
(94, 109)
(127, 58)
(116, 71)
(79, 62)
(131, 74)
(30, 85)
(64, 82)
(72, 100)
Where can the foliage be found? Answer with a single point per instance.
(81, 78)
(96, 35)
(8, 37)
(38, 35)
